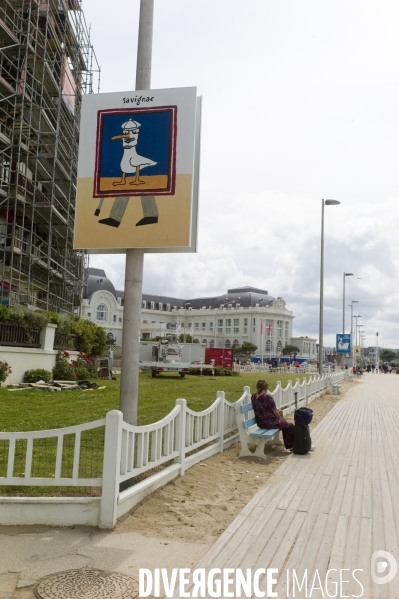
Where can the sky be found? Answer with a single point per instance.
(300, 104)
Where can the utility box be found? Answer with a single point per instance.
(222, 356)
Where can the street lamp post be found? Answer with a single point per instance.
(186, 305)
(356, 316)
(351, 306)
(323, 203)
(346, 274)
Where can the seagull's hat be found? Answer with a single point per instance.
(130, 124)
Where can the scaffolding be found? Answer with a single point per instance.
(47, 63)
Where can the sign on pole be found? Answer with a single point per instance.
(343, 344)
(138, 171)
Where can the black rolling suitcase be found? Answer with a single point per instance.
(302, 440)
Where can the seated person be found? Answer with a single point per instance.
(268, 416)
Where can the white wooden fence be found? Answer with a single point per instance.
(155, 453)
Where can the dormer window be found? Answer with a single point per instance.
(152, 305)
(144, 304)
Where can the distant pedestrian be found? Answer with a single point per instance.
(389, 369)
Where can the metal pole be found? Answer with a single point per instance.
(343, 309)
(135, 257)
(352, 333)
(321, 292)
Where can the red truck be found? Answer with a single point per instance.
(223, 357)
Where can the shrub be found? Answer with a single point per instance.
(5, 370)
(84, 367)
(38, 374)
(51, 317)
(92, 339)
(63, 370)
(219, 371)
(17, 315)
(27, 318)
(4, 313)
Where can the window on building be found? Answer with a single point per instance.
(145, 321)
(238, 305)
(236, 323)
(228, 325)
(204, 342)
(120, 319)
(220, 344)
(279, 329)
(220, 326)
(227, 343)
(286, 332)
(269, 345)
(114, 318)
(196, 326)
(211, 343)
(144, 304)
(236, 343)
(89, 315)
(101, 313)
(203, 326)
(279, 347)
(190, 325)
(245, 325)
(160, 306)
(168, 307)
(211, 326)
(254, 325)
(268, 327)
(152, 305)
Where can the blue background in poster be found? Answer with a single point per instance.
(341, 342)
(153, 142)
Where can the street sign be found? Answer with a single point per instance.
(138, 171)
(343, 344)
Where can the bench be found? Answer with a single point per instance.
(335, 389)
(250, 434)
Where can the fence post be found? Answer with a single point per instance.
(182, 435)
(279, 394)
(111, 469)
(221, 396)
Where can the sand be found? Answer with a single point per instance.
(200, 506)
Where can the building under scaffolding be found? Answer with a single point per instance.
(46, 64)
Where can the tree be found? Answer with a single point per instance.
(388, 355)
(288, 350)
(188, 339)
(246, 348)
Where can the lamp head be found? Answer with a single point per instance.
(348, 274)
(331, 202)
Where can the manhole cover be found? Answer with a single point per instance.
(86, 584)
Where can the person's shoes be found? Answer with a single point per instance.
(313, 448)
(111, 222)
(147, 220)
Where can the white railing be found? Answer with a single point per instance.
(156, 453)
(56, 460)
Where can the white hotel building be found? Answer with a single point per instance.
(242, 314)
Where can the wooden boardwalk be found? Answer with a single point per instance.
(332, 508)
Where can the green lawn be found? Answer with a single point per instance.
(32, 410)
